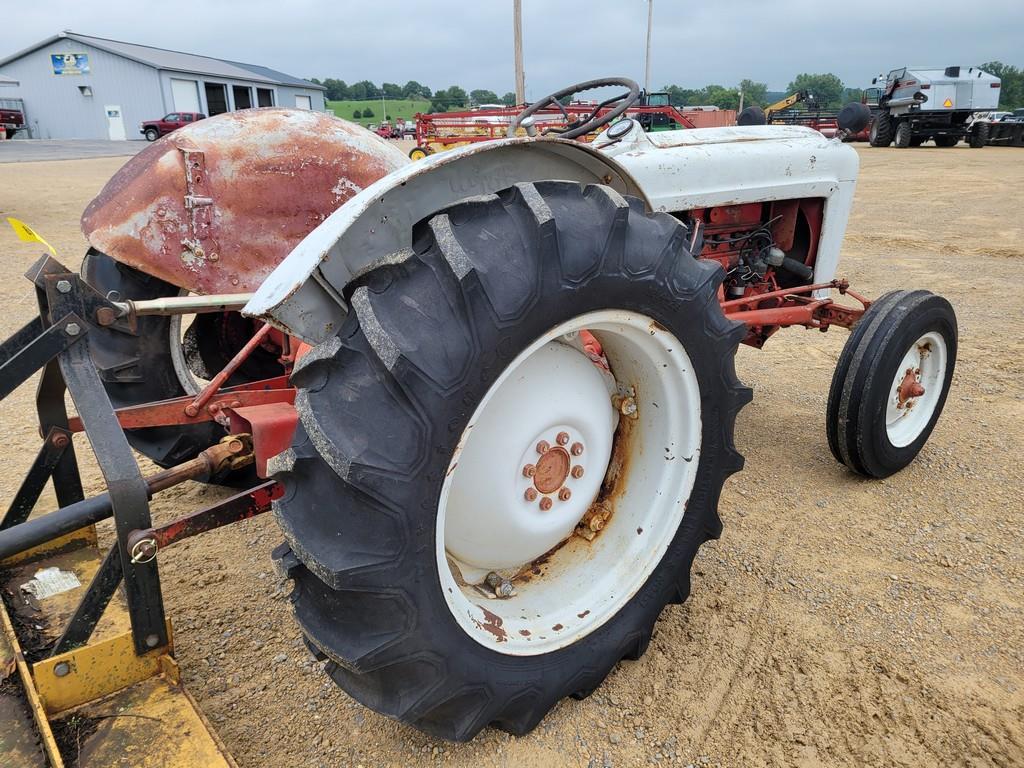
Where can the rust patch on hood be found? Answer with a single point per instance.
(216, 205)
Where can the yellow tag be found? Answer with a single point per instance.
(947, 103)
(29, 235)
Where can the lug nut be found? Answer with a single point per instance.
(564, 494)
(502, 587)
(105, 316)
(563, 438)
(545, 504)
(628, 406)
(531, 494)
(577, 449)
(577, 471)
(543, 446)
(529, 470)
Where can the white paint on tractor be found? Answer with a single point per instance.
(927, 359)
(484, 520)
(698, 168)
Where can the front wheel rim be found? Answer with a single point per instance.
(907, 413)
(570, 586)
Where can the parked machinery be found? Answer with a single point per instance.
(916, 105)
(436, 132)
(513, 384)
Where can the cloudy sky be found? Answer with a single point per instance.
(469, 43)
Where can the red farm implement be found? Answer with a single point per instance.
(439, 131)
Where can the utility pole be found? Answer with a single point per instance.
(647, 67)
(517, 44)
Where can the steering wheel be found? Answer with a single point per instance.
(591, 122)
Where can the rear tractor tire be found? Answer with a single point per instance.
(880, 134)
(891, 382)
(904, 135)
(458, 443)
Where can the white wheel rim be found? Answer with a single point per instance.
(186, 378)
(908, 414)
(486, 522)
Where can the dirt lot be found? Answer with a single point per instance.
(837, 622)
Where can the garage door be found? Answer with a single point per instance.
(302, 102)
(186, 95)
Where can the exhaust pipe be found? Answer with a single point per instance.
(907, 101)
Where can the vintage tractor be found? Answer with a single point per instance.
(491, 394)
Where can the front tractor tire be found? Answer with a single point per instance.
(475, 428)
(881, 131)
(891, 382)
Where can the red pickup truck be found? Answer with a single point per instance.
(154, 129)
(12, 119)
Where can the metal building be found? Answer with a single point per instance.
(80, 87)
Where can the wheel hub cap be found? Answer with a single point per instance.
(508, 508)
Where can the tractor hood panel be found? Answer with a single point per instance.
(215, 206)
(681, 170)
(707, 167)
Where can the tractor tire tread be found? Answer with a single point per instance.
(358, 505)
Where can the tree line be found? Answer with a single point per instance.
(828, 90)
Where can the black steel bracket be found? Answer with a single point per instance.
(58, 343)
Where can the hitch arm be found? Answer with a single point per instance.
(145, 544)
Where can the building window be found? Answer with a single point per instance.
(264, 97)
(242, 95)
(216, 98)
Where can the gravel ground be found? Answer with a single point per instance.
(837, 622)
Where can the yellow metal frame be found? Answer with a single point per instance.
(137, 706)
(25, 674)
(93, 671)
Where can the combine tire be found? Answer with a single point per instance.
(881, 131)
(979, 136)
(454, 435)
(891, 382)
(152, 365)
(946, 141)
(903, 136)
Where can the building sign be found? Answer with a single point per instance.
(70, 63)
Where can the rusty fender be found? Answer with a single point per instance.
(303, 296)
(215, 206)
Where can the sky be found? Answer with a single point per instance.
(469, 43)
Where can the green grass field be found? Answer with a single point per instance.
(404, 108)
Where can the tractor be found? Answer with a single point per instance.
(489, 396)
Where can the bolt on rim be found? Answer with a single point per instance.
(548, 453)
(916, 389)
